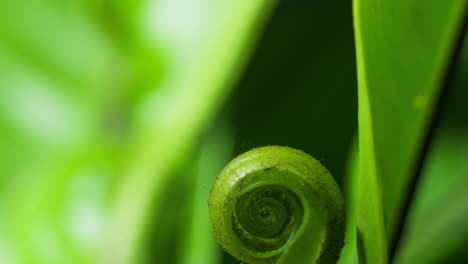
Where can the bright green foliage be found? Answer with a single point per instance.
(100, 100)
(55, 177)
(106, 109)
(278, 205)
(403, 49)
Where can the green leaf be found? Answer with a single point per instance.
(349, 254)
(403, 48)
(202, 51)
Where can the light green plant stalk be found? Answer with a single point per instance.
(278, 205)
(172, 118)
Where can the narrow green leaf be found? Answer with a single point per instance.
(349, 252)
(403, 49)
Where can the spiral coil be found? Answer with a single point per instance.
(278, 205)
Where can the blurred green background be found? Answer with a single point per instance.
(116, 116)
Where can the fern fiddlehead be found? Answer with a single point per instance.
(278, 205)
